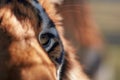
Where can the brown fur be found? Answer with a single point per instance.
(23, 57)
(72, 69)
(86, 36)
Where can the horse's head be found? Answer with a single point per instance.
(30, 48)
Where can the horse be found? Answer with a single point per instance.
(32, 43)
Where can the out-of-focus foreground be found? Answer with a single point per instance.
(107, 16)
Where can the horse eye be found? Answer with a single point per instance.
(44, 39)
(48, 41)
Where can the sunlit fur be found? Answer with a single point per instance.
(72, 70)
(27, 58)
(21, 55)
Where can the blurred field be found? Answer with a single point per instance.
(107, 16)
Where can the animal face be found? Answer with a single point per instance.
(30, 47)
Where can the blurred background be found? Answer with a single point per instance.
(88, 26)
(107, 16)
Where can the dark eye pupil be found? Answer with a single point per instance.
(44, 39)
